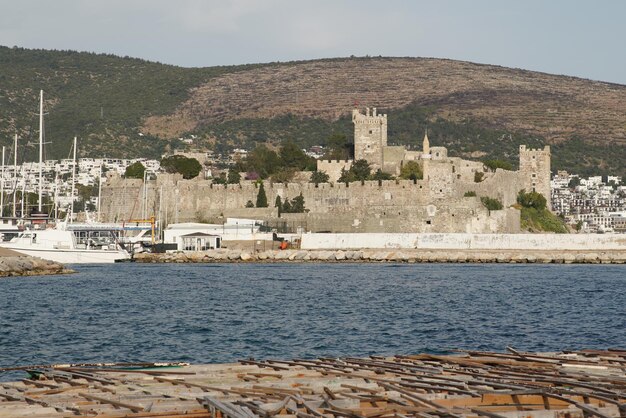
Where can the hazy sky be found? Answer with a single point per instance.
(580, 38)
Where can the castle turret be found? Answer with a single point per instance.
(370, 136)
(426, 144)
(534, 167)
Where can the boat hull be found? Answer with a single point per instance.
(66, 256)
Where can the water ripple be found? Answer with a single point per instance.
(223, 312)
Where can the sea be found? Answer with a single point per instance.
(208, 313)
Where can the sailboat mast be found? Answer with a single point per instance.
(73, 182)
(40, 149)
(99, 190)
(14, 175)
(2, 185)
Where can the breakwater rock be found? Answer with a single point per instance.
(389, 255)
(23, 265)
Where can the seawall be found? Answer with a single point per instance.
(452, 241)
(391, 255)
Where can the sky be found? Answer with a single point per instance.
(572, 37)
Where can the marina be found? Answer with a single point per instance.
(571, 384)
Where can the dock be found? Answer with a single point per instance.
(464, 384)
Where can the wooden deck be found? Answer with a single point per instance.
(470, 384)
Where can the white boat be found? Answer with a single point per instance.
(68, 247)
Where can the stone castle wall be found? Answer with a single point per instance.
(387, 206)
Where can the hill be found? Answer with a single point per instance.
(130, 107)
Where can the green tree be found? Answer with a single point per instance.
(249, 204)
(293, 157)
(531, 200)
(261, 197)
(188, 167)
(135, 171)
(411, 170)
(278, 203)
(574, 182)
(221, 179)
(338, 147)
(361, 169)
(263, 161)
(284, 175)
(495, 164)
(318, 177)
(381, 175)
(297, 204)
(233, 176)
(347, 176)
(491, 203)
(478, 176)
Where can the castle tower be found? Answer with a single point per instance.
(370, 136)
(534, 167)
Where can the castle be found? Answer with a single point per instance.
(446, 199)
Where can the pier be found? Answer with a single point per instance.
(467, 384)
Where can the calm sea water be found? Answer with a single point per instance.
(225, 312)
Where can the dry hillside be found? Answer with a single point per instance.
(551, 106)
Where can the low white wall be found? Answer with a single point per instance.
(467, 241)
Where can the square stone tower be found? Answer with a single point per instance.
(370, 136)
(534, 168)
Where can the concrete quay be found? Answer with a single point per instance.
(390, 255)
(16, 264)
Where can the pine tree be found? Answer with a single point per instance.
(261, 197)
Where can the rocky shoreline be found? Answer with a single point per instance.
(23, 265)
(389, 255)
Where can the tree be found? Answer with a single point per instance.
(346, 176)
(318, 177)
(495, 164)
(278, 203)
(293, 157)
(531, 200)
(233, 176)
(338, 147)
(261, 197)
(262, 160)
(284, 175)
(221, 179)
(135, 171)
(381, 175)
(249, 204)
(478, 176)
(490, 203)
(188, 167)
(411, 170)
(574, 182)
(361, 169)
(297, 204)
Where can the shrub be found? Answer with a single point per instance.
(531, 200)
(478, 176)
(469, 194)
(490, 203)
(411, 171)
